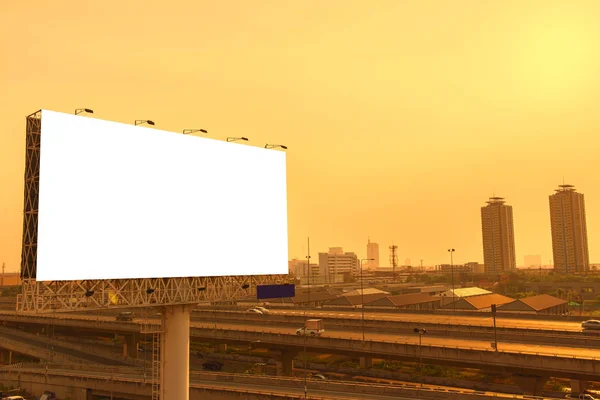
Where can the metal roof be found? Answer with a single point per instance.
(357, 292)
(465, 292)
(405, 299)
(486, 301)
(542, 301)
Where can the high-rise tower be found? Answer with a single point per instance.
(372, 253)
(569, 231)
(498, 236)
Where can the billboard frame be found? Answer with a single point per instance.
(68, 296)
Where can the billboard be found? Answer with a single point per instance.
(275, 291)
(118, 201)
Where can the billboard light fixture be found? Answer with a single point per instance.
(273, 146)
(143, 121)
(186, 131)
(80, 110)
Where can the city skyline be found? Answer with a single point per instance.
(395, 128)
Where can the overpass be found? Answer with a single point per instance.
(351, 322)
(53, 350)
(532, 364)
(81, 385)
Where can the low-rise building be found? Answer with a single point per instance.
(354, 301)
(10, 279)
(414, 301)
(454, 294)
(469, 268)
(366, 291)
(479, 303)
(540, 304)
(432, 290)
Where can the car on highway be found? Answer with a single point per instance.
(581, 396)
(253, 311)
(262, 310)
(125, 316)
(48, 396)
(213, 365)
(591, 324)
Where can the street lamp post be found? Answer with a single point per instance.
(421, 332)
(234, 139)
(495, 336)
(87, 110)
(273, 146)
(451, 251)
(304, 362)
(362, 296)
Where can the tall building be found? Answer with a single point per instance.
(372, 252)
(338, 266)
(498, 236)
(569, 231)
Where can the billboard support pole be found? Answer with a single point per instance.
(175, 349)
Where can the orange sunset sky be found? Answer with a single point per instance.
(401, 117)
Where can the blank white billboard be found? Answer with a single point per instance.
(118, 201)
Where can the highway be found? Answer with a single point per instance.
(287, 386)
(426, 340)
(385, 337)
(56, 346)
(475, 320)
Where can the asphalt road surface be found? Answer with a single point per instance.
(414, 339)
(501, 322)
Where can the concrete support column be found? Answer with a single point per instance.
(531, 384)
(221, 347)
(130, 346)
(287, 362)
(366, 362)
(175, 353)
(579, 387)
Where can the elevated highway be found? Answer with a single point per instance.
(483, 320)
(537, 360)
(570, 338)
(549, 361)
(231, 386)
(54, 350)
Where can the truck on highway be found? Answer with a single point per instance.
(313, 327)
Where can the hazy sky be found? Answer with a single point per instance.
(401, 117)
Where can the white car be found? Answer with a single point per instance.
(262, 310)
(591, 324)
(582, 396)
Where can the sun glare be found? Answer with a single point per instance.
(560, 53)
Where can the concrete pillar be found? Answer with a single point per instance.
(366, 362)
(175, 353)
(221, 347)
(579, 387)
(130, 346)
(287, 363)
(531, 384)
